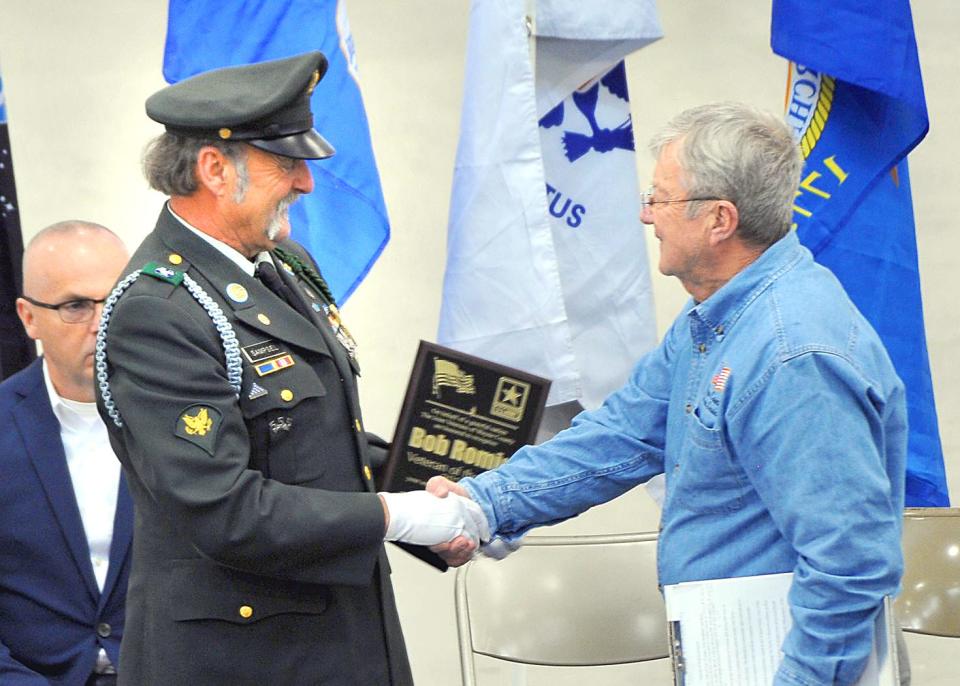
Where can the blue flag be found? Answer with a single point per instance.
(16, 349)
(343, 223)
(855, 99)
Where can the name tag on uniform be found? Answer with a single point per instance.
(264, 350)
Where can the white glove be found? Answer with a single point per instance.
(421, 518)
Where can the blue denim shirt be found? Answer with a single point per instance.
(777, 417)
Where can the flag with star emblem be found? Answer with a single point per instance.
(546, 257)
(16, 348)
(343, 223)
(855, 100)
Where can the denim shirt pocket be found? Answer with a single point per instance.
(707, 480)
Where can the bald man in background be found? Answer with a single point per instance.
(66, 518)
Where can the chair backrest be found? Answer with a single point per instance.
(930, 600)
(565, 601)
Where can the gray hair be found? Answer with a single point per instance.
(747, 156)
(170, 160)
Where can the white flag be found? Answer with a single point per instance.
(546, 256)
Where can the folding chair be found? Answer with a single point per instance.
(929, 604)
(930, 600)
(563, 601)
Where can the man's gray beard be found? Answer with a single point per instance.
(280, 216)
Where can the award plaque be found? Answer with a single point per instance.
(461, 416)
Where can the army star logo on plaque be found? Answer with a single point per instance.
(199, 424)
(510, 399)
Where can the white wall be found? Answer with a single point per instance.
(76, 75)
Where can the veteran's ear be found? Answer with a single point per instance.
(215, 172)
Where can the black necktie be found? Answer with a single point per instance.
(269, 277)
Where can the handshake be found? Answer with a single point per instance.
(442, 517)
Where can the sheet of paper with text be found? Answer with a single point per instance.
(728, 632)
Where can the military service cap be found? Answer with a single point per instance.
(265, 104)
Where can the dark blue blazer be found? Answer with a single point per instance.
(52, 615)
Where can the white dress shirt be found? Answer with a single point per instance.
(94, 471)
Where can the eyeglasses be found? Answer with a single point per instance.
(71, 311)
(647, 201)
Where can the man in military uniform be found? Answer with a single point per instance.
(228, 384)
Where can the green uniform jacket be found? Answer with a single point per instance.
(258, 554)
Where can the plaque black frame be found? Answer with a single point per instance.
(437, 435)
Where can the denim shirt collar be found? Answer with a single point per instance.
(719, 313)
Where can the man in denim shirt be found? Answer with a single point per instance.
(771, 406)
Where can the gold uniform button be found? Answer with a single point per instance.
(264, 319)
(367, 472)
(286, 394)
(356, 423)
(174, 258)
(246, 611)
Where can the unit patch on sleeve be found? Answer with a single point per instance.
(199, 424)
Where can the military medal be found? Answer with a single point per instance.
(341, 331)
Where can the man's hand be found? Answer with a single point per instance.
(440, 486)
(423, 519)
(457, 552)
(460, 550)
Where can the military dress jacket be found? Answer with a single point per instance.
(258, 544)
(53, 616)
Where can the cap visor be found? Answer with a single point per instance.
(308, 145)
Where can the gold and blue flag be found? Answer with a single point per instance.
(855, 100)
(343, 223)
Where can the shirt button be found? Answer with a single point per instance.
(104, 630)
(688, 408)
(245, 611)
(702, 348)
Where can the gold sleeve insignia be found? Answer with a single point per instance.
(199, 424)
